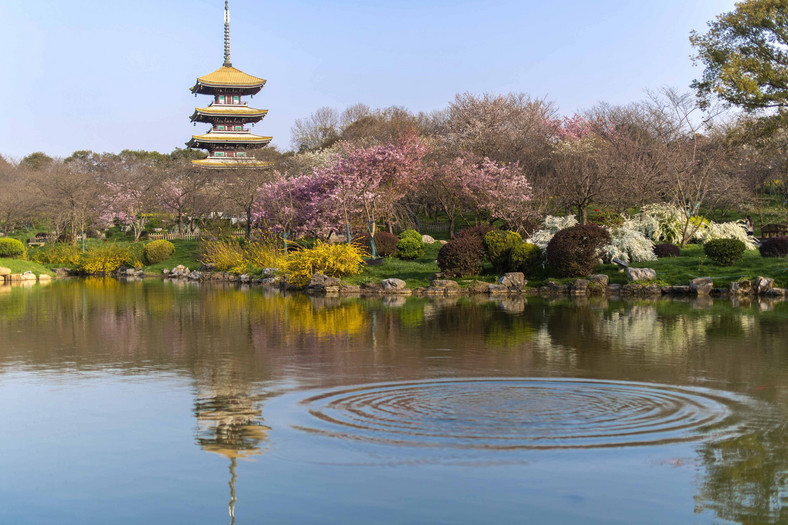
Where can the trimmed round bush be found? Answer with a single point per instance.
(774, 247)
(724, 252)
(524, 257)
(462, 256)
(12, 248)
(385, 243)
(410, 245)
(666, 250)
(498, 246)
(158, 251)
(575, 251)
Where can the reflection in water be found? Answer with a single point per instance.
(240, 347)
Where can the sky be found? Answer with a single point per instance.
(108, 76)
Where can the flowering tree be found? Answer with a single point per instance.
(301, 205)
(503, 191)
(370, 181)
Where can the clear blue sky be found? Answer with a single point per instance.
(105, 76)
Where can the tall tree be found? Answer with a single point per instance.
(745, 53)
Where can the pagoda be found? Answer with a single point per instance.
(228, 141)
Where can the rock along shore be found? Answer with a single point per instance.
(640, 284)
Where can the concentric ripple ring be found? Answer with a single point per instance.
(524, 413)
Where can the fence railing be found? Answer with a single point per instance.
(189, 236)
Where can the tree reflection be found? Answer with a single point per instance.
(746, 478)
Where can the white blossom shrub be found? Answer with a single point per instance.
(552, 225)
(629, 245)
(725, 230)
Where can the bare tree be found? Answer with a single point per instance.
(319, 130)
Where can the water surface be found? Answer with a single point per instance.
(174, 402)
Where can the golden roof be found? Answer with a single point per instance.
(241, 136)
(228, 76)
(232, 110)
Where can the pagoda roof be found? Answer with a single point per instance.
(230, 162)
(229, 110)
(228, 77)
(214, 138)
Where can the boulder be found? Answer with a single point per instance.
(742, 288)
(426, 239)
(701, 285)
(4, 271)
(194, 276)
(641, 274)
(775, 292)
(393, 285)
(676, 290)
(763, 285)
(477, 287)
(514, 281)
(632, 289)
(321, 284)
(349, 289)
(442, 287)
(599, 279)
(245, 278)
(44, 277)
(29, 276)
(497, 289)
(269, 272)
(580, 287)
(165, 271)
(371, 288)
(652, 289)
(614, 289)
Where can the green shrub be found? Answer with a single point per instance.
(410, 245)
(774, 247)
(158, 251)
(462, 256)
(56, 253)
(105, 259)
(12, 248)
(498, 246)
(724, 252)
(575, 251)
(524, 257)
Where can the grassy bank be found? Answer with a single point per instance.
(20, 266)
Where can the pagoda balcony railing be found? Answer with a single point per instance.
(228, 105)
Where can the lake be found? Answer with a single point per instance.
(171, 402)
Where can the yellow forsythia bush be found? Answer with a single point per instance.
(56, 253)
(239, 257)
(334, 260)
(105, 259)
(224, 255)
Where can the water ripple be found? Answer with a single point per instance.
(529, 413)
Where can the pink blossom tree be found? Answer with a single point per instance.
(371, 181)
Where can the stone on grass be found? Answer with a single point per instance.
(599, 279)
(641, 274)
(393, 285)
(426, 239)
(4, 271)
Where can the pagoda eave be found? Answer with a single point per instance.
(231, 163)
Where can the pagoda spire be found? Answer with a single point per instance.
(227, 62)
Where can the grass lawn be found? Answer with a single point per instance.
(693, 263)
(20, 266)
(185, 254)
(416, 273)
